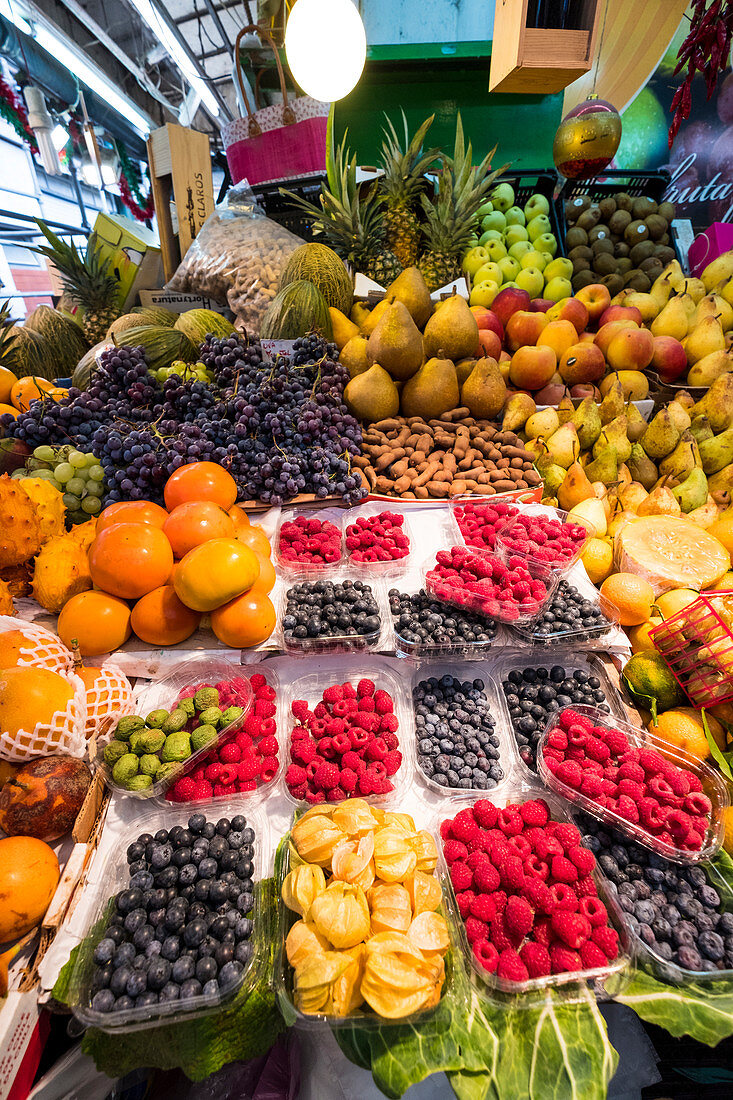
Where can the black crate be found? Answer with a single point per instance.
(280, 208)
(537, 181)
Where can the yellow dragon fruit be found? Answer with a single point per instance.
(20, 528)
(49, 505)
(61, 571)
(84, 533)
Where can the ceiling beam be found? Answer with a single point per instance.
(210, 7)
(218, 8)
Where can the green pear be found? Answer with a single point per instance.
(641, 467)
(563, 445)
(565, 408)
(684, 458)
(552, 476)
(700, 429)
(411, 289)
(635, 423)
(717, 404)
(354, 356)
(717, 452)
(613, 403)
(614, 435)
(722, 480)
(484, 391)
(693, 491)
(432, 391)
(604, 466)
(680, 416)
(396, 343)
(542, 423)
(372, 396)
(587, 420)
(452, 332)
(661, 437)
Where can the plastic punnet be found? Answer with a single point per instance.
(341, 642)
(487, 604)
(396, 566)
(305, 569)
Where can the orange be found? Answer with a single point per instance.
(683, 728)
(130, 559)
(238, 516)
(632, 596)
(131, 511)
(95, 621)
(200, 481)
(58, 393)
(195, 522)
(669, 603)
(266, 580)
(245, 621)
(597, 557)
(9, 409)
(160, 618)
(29, 875)
(29, 696)
(639, 636)
(214, 573)
(255, 537)
(29, 389)
(7, 381)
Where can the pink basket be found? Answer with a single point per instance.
(280, 142)
(697, 644)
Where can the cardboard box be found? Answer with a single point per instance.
(179, 303)
(707, 246)
(132, 253)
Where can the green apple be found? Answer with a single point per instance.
(515, 216)
(496, 250)
(547, 257)
(483, 294)
(503, 197)
(475, 258)
(557, 288)
(539, 225)
(545, 242)
(537, 204)
(534, 258)
(515, 233)
(509, 268)
(520, 249)
(532, 280)
(491, 235)
(494, 220)
(485, 208)
(559, 269)
(490, 271)
(512, 285)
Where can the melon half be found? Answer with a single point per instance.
(670, 552)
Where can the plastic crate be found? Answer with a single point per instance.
(697, 644)
(538, 181)
(279, 207)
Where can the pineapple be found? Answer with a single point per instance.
(451, 217)
(8, 358)
(404, 166)
(87, 281)
(350, 224)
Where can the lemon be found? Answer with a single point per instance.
(598, 559)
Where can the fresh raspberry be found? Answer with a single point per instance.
(268, 768)
(365, 687)
(572, 928)
(299, 791)
(461, 876)
(336, 794)
(486, 955)
(522, 847)
(591, 785)
(536, 958)
(486, 878)
(485, 813)
(696, 803)
(390, 739)
(483, 907)
(257, 682)
(326, 776)
(597, 750)
(518, 916)
(567, 833)
(500, 936)
(476, 929)
(229, 774)
(295, 775)
(499, 899)
(263, 708)
(583, 859)
(512, 874)
(617, 742)
(383, 702)
(464, 827)
(563, 870)
(348, 780)
(538, 895)
(537, 867)
(563, 959)
(268, 746)
(300, 709)
(542, 931)
(183, 790)
(694, 781)
(557, 739)
(585, 887)
(248, 768)
(476, 857)
(367, 704)
(607, 939)
(304, 750)
(659, 788)
(534, 813)
(213, 771)
(591, 956)
(594, 910)
(510, 967)
(315, 797)
(570, 773)
(220, 790)
(464, 900)
(453, 850)
(629, 770)
(388, 724)
(253, 725)
(650, 813)
(564, 897)
(445, 824)
(510, 821)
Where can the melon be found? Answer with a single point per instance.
(155, 315)
(86, 365)
(294, 311)
(161, 345)
(670, 552)
(133, 320)
(198, 323)
(32, 354)
(44, 797)
(64, 337)
(320, 265)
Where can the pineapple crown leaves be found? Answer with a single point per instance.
(84, 277)
(8, 351)
(404, 161)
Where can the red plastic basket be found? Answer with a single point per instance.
(697, 644)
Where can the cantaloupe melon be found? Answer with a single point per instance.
(670, 552)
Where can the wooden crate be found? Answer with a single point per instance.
(537, 60)
(180, 172)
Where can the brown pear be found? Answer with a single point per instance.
(372, 396)
(354, 356)
(372, 319)
(432, 391)
(575, 488)
(484, 392)
(396, 343)
(411, 289)
(452, 331)
(464, 368)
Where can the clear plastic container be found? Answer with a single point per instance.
(712, 785)
(531, 632)
(488, 605)
(306, 569)
(374, 640)
(570, 661)
(163, 694)
(457, 509)
(110, 875)
(392, 568)
(538, 567)
(507, 751)
(338, 671)
(458, 648)
(364, 1016)
(574, 986)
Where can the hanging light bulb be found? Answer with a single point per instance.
(325, 44)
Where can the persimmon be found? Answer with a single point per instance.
(266, 580)
(194, 522)
(95, 621)
(130, 559)
(245, 621)
(200, 481)
(254, 536)
(238, 516)
(131, 511)
(214, 573)
(160, 618)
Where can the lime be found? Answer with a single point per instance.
(651, 683)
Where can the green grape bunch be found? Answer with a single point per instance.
(78, 476)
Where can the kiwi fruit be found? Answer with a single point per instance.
(621, 248)
(666, 210)
(652, 267)
(642, 207)
(581, 251)
(607, 207)
(581, 263)
(589, 218)
(575, 237)
(624, 201)
(575, 207)
(636, 231)
(598, 233)
(603, 264)
(615, 283)
(637, 280)
(619, 221)
(641, 251)
(582, 278)
(664, 253)
(664, 239)
(602, 244)
(623, 264)
(656, 225)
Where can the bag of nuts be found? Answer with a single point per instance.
(237, 257)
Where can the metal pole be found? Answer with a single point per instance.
(77, 192)
(219, 26)
(165, 18)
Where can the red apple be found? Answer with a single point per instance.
(582, 363)
(605, 335)
(630, 349)
(486, 318)
(489, 343)
(532, 367)
(570, 309)
(668, 358)
(523, 328)
(540, 305)
(551, 394)
(620, 313)
(596, 298)
(13, 454)
(585, 389)
(508, 301)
